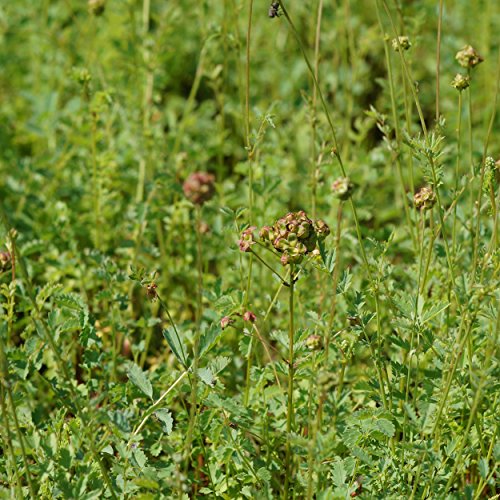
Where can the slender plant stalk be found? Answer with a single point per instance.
(397, 129)
(290, 410)
(336, 153)
(196, 347)
(314, 163)
(312, 430)
(146, 104)
(438, 57)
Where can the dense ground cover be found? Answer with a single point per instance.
(165, 335)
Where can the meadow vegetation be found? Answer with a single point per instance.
(249, 249)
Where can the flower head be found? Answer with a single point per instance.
(468, 57)
(401, 41)
(314, 342)
(460, 82)
(342, 188)
(151, 292)
(225, 322)
(199, 187)
(425, 198)
(5, 259)
(249, 316)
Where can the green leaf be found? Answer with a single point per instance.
(165, 417)
(339, 474)
(327, 257)
(175, 344)
(210, 336)
(207, 376)
(140, 458)
(483, 467)
(386, 427)
(264, 474)
(140, 380)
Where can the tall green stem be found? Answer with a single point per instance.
(290, 409)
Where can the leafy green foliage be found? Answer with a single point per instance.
(142, 355)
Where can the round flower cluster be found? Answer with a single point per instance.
(460, 82)
(343, 188)
(425, 198)
(468, 57)
(401, 41)
(199, 187)
(293, 236)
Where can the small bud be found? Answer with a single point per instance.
(249, 316)
(314, 342)
(425, 198)
(225, 322)
(199, 187)
(247, 239)
(321, 228)
(342, 188)
(5, 259)
(468, 57)
(151, 292)
(404, 43)
(96, 7)
(460, 82)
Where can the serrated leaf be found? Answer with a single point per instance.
(140, 380)
(327, 257)
(483, 467)
(176, 345)
(209, 338)
(140, 457)
(165, 417)
(385, 426)
(207, 377)
(264, 474)
(339, 474)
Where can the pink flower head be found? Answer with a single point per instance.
(225, 322)
(249, 316)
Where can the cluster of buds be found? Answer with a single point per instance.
(402, 42)
(342, 188)
(425, 198)
(468, 57)
(5, 259)
(96, 7)
(294, 236)
(460, 82)
(199, 187)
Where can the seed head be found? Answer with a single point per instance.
(425, 198)
(199, 187)
(460, 82)
(342, 188)
(404, 43)
(247, 239)
(314, 342)
(468, 57)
